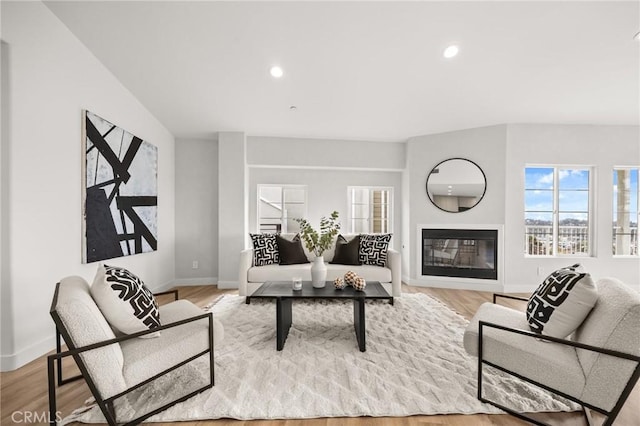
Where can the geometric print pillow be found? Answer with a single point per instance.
(561, 302)
(373, 249)
(125, 301)
(265, 249)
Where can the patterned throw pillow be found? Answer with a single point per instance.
(561, 302)
(125, 301)
(265, 249)
(373, 249)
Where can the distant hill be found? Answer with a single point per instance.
(565, 222)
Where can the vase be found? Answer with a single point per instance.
(318, 272)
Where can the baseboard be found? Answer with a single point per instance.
(25, 356)
(492, 287)
(196, 281)
(164, 287)
(228, 284)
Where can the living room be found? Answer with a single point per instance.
(209, 172)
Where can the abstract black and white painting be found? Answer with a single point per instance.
(120, 196)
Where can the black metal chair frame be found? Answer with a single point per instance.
(106, 405)
(610, 415)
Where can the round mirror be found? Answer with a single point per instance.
(456, 185)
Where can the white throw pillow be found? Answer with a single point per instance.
(125, 301)
(562, 302)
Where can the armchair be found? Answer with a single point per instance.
(597, 367)
(114, 366)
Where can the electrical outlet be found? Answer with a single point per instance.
(194, 265)
(539, 270)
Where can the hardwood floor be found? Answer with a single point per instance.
(24, 395)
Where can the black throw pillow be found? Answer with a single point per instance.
(347, 251)
(291, 252)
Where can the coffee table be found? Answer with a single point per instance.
(284, 294)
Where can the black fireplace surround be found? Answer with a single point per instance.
(463, 253)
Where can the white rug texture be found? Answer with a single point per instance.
(414, 364)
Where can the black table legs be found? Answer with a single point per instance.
(358, 323)
(284, 317)
(283, 321)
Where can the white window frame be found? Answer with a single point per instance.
(283, 216)
(591, 231)
(350, 208)
(616, 168)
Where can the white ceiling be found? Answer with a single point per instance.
(367, 70)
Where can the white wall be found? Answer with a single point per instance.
(601, 147)
(327, 167)
(6, 309)
(327, 191)
(503, 152)
(236, 165)
(486, 147)
(232, 205)
(52, 78)
(196, 211)
(293, 152)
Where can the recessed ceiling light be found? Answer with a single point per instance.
(293, 108)
(276, 72)
(450, 51)
(637, 36)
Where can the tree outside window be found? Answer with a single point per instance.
(625, 211)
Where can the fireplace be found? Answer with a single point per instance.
(463, 253)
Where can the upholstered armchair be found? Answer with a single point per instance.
(114, 366)
(597, 366)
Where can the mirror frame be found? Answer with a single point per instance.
(450, 159)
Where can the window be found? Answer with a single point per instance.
(370, 210)
(625, 211)
(556, 212)
(278, 205)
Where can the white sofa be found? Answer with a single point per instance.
(251, 277)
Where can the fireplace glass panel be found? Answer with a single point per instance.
(460, 253)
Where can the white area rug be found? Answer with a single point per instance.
(414, 364)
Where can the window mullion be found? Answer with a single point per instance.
(591, 226)
(350, 219)
(372, 209)
(283, 225)
(556, 213)
(383, 213)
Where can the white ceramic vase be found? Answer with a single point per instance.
(318, 272)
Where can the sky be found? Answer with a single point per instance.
(573, 196)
